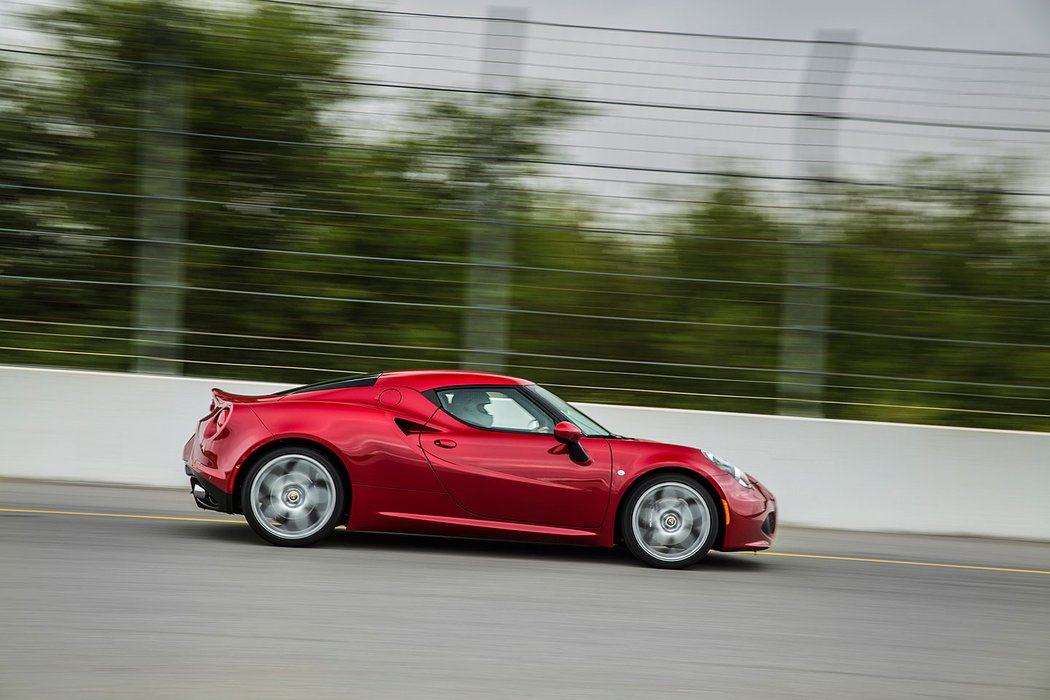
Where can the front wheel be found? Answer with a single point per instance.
(293, 497)
(669, 521)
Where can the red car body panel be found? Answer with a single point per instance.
(414, 468)
(519, 477)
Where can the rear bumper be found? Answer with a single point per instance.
(206, 494)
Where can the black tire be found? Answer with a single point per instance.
(686, 514)
(298, 507)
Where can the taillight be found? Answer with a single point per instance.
(216, 422)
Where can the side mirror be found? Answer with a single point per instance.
(567, 433)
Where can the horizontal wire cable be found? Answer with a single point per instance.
(130, 356)
(533, 268)
(512, 353)
(527, 312)
(522, 285)
(943, 409)
(620, 44)
(661, 32)
(648, 375)
(695, 64)
(692, 298)
(551, 384)
(722, 174)
(368, 149)
(379, 149)
(874, 119)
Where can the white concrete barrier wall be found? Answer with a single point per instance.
(860, 475)
(102, 426)
(125, 428)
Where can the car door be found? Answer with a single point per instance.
(495, 452)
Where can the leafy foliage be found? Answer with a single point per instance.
(681, 310)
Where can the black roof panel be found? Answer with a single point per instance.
(344, 383)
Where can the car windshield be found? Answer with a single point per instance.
(588, 425)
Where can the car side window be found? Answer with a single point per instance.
(495, 409)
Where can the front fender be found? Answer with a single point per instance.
(635, 459)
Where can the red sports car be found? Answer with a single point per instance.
(465, 454)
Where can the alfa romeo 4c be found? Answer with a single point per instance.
(465, 454)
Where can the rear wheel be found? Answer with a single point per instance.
(669, 521)
(293, 497)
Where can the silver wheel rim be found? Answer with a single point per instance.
(292, 496)
(671, 521)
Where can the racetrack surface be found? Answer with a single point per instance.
(115, 607)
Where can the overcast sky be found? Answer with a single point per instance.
(1015, 25)
(987, 90)
(737, 75)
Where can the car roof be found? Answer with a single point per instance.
(425, 379)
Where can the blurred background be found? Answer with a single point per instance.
(807, 223)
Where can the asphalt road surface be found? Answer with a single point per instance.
(122, 607)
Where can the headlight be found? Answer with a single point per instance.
(730, 469)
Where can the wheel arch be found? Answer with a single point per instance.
(696, 476)
(262, 450)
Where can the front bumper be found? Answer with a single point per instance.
(752, 526)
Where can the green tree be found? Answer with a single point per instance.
(948, 251)
(259, 81)
(939, 286)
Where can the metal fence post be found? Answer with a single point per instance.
(161, 220)
(804, 312)
(485, 323)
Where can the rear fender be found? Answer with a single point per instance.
(374, 447)
(216, 451)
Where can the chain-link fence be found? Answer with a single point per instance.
(289, 191)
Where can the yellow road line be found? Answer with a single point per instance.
(118, 515)
(899, 562)
(905, 563)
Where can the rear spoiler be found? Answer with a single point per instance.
(220, 397)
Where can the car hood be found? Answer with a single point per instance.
(642, 453)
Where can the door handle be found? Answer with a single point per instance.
(447, 444)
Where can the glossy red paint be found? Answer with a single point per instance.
(426, 379)
(412, 467)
